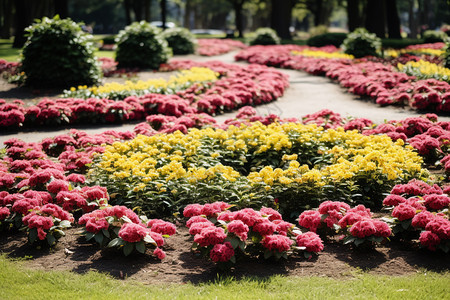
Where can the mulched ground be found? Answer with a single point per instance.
(181, 265)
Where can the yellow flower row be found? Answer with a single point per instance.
(323, 54)
(183, 79)
(425, 69)
(396, 53)
(179, 156)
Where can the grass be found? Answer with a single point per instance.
(17, 282)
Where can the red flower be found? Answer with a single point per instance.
(238, 228)
(429, 239)
(247, 215)
(310, 219)
(132, 233)
(383, 229)
(278, 243)
(311, 241)
(196, 219)
(162, 227)
(272, 213)
(404, 212)
(422, 219)
(221, 252)
(264, 227)
(363, 228)
(159, 253)
(436, 202)
(192, 210)
(57, 186)
(4, 213)
(157, 237)
(393, 200)
(210, 236)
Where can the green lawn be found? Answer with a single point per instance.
(17, 282)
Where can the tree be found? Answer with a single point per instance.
(375, 17)
(6, 18)
(281, 17)
(237, 7)
(355, 14)
(393, 21)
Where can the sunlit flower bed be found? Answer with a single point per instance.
(118, 91)
(85, 181)
(375, 78)
(211, 87)
(212, 47)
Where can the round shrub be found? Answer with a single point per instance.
(141, 45)
(432, 36)
(181, 40)
(333, 38)
(360, 43)
(265, 36)
(58, 53)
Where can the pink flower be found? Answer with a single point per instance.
(210, 209)
(327, 206)
(439, 226)
(210, 236)
(429, 239)
(283, 227)
(95, 193)
(272, 213)
(278, 243)
(311, 241)
(310, 219)
(247, 215)
(162, 227)
(132, 233)
(264, 227)
(363, 228)
(197, 219)
(393, 200)
(422, 219)
(238, 228)
(192, 210)
(96, 225)
(436, 202)
(196, 228)
(404, 212)
(158, 238)
(383, 229)
(159, 253)
(226, 216)
(57, 186)
(221, 252)
(4, 213)
(76, 178)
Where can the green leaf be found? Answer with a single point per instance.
(148, 239)
(114, 243)
(242, 245)
(405, 224)
(65, 224)
(233, 259)
(126, 219)
(89, 236)
(359, 241)
(140, 247)
(128, 248)
(99, 238)
(234, 242)
(50, 239)
(348, 239)
(32, 235)
(106, 233)
(307, 255)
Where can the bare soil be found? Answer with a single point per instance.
(181, 265)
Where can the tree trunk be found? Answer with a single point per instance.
(281, 17)
(375, 17)
(412, 20)
(62, 8)
(23, 17)
(237, 5)
(7, 12)
(127, 5)
(147, 12)
(163, 5)
(393, 21)
(354, 15)
(138, 8)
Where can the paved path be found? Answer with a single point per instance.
(306, 94)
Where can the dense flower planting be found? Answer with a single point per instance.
(212, 47)
(378, 79)
(253, 163)
(237, 86)
(225, 236)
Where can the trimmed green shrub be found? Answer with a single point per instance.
(432, 36)
(400, 43)
(265, 36)
(360, 43)
(181, 40)
(58, 53)
(141, 45)
(335, 39)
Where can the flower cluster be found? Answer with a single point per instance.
(213, 47)
(120, 227)
(420, 211)
(222, 234)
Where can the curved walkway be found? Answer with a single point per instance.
(306, 94)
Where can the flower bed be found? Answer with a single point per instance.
(250, 162)
(195, 91)
(212, 47)
(381, 82)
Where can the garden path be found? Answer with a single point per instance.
(306, 94)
